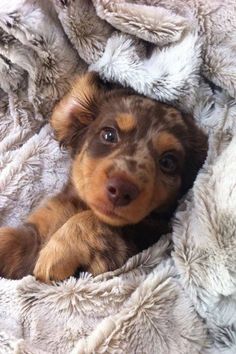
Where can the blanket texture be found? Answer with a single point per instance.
(179, 296)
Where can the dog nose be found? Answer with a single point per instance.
(121, 192)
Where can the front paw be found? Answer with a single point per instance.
(53, 265)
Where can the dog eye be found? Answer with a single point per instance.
(109, 136)
(168, 163)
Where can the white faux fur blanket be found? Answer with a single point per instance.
(179, 296)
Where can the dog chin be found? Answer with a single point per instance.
(115, 220)
(109, 216)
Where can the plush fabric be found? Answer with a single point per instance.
(179, 296)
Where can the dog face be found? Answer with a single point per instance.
(132, 155)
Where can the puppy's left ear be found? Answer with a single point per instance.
(196, 153)
(77, 109)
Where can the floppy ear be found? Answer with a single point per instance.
(77, 109)
(196, 153)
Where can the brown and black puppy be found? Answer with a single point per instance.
(133, 158)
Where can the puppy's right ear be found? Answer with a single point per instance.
(77, 109)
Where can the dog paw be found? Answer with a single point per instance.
(53, 265)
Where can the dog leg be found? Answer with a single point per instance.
(18, 251)
(19, 247)
(48, 218)
(82, 242)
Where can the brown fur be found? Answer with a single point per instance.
(83, 227)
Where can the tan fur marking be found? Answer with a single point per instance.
(165, 141)
(126, 122)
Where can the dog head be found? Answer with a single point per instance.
(132, 155)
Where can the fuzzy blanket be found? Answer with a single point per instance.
(179, 296)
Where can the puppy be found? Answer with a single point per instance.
(133, 158)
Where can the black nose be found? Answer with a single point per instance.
(121, 191)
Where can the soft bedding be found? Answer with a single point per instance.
(178, 296)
